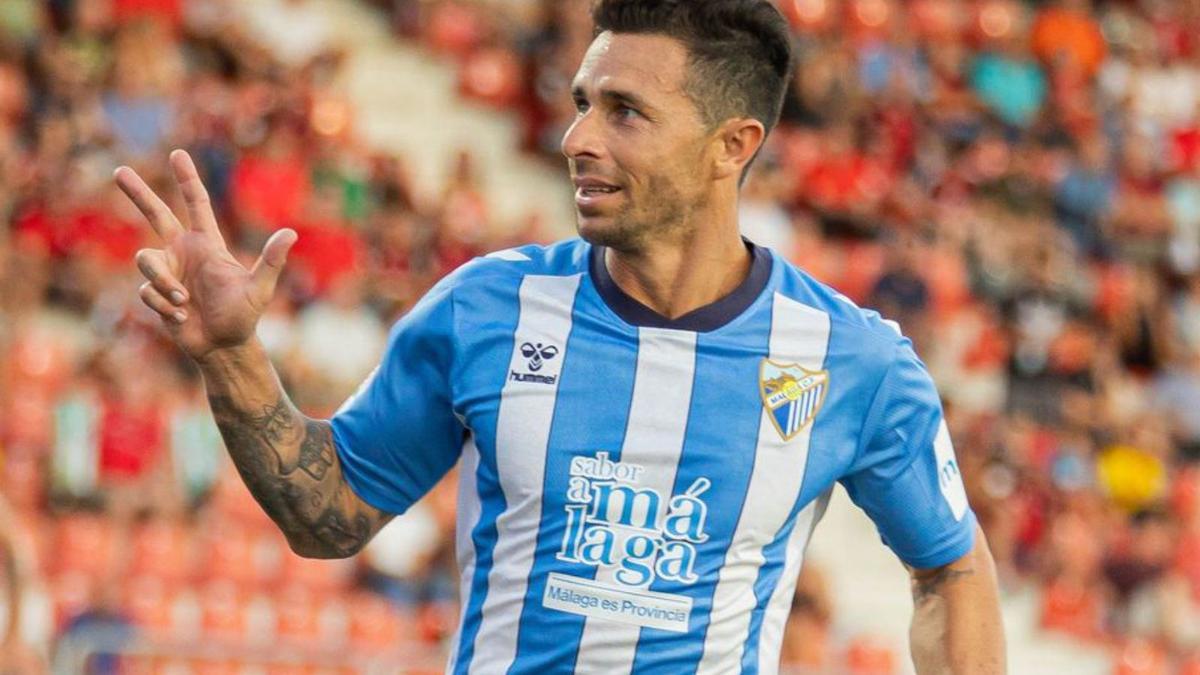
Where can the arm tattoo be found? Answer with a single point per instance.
(316, 451)
(289, 464)
(926, 586)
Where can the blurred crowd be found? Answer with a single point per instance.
(1017, 183)
(132, 540)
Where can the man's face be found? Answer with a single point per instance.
(638, 147)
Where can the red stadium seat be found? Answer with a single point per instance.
(234, 552)
(376, 625)
(318, 575)
(223, 608)
(147, 603)
(163, 549)
(298, 620)
(71, 593)
(1071, 608)
(867, 655)
(84, 543)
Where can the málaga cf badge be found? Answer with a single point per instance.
(792, 394)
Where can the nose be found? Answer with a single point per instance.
(581, 141)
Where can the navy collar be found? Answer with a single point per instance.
(702, 320)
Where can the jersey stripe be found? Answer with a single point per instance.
(522, 433)
(658, 419)
(591, 415)
(799, 335)
(466, 519)
(768, 641)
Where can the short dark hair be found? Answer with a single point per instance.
(740, 51)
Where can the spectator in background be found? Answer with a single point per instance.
(1177, 395)
(339, 341)
(17, 655)
(1009, 82)
(146, 79)
(1065, 34)
(271, 183)
(1084, 196)
(901, 293)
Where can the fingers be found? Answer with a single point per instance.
(267, 268)
(149, 203)
(153, 265)
(155, 301)
(195, 195)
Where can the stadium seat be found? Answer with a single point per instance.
(163, 549)
(224, 612)
(868, 655)
(320, 576)
(376, 625)
(147, 603)
(84, 543)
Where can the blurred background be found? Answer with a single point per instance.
(1018, 183)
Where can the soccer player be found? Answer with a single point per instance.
(650, 418)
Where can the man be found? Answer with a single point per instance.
(650, 419)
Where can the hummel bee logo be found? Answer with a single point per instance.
(538, 354)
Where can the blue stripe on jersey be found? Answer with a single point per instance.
(730, 354)
(503, 296)
(597, 353)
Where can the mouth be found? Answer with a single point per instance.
(591, 193)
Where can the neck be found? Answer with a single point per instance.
(676, 277)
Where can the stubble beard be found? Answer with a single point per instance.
(631, 228)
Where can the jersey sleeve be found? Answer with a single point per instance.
(398, 434)
(905, 475)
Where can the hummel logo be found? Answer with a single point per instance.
(538, 354)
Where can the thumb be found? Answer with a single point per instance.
(269, 265)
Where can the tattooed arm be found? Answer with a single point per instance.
(956, 627)
(209, 304)
(286, 459)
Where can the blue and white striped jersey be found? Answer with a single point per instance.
(637, 493)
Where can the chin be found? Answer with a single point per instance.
(606, 231)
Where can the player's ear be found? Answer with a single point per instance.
(736, 140)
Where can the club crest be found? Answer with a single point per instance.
(792, 394)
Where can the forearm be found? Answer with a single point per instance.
(286, 459)
(957, 628)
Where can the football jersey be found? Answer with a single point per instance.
(636, 493)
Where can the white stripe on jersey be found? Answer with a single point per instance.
(658, 414)
(464, 547)
(770, 637)
(522, 435)
(799, 334)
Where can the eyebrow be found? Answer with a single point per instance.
(616, 96)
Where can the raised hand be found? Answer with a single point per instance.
(206, 298)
